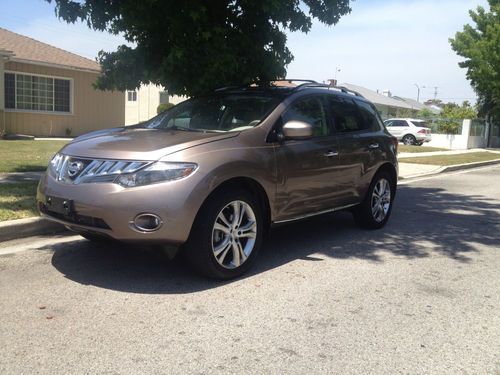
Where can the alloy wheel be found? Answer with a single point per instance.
(408, 140)
(234, 234)
(381, 200)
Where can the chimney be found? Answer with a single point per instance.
(387, 93)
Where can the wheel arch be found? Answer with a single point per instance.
(250, 185)
(391, 169)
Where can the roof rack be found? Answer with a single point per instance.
(305, 83)
(343, 89)
(224, 88)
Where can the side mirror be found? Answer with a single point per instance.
(297, 130)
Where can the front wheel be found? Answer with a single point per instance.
(375, 210)
(226, 235)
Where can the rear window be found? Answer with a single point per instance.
(422, 124)
(346, 116)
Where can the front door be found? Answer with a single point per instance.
(308, 170)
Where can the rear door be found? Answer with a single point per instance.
(360, 138)
(399, 128)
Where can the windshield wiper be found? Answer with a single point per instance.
(183, 128)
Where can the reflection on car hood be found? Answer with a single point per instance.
(138, 143)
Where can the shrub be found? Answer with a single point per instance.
(163, 107)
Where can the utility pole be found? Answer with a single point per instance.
(418, 91)
(435, 92)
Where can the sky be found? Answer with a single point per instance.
(381, 45)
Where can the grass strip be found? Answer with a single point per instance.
(412, 149)
(27, 156)
(17, 200)
(470, 157)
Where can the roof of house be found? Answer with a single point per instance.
(418, 105)
(24, 49)
(377, 98)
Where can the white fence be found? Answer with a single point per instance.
(474, 135)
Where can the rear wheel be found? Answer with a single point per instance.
(226, 235)
(409, 140)
(375, 210)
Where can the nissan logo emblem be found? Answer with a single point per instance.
(74, 168)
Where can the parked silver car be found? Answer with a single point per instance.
(214, 172)
(409, 131)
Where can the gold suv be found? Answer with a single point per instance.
(214, 172)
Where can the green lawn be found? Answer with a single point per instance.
(25, 156)
(17, 200)
(403, 148)
(452, 159)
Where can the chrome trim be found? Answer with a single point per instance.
(139, 229)
(95, 170)
(315, 214)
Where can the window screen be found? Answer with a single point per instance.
(37, 93)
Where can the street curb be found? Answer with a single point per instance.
(452, 168)
(33, 226)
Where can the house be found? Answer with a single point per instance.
(47, 91)
(417, 105)
(386, 105)
(141, 104)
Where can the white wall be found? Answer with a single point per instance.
(144, 108)
(458, 141)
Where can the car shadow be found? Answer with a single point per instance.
(425, 222)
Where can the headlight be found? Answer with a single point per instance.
(55, 164)
(157, 172)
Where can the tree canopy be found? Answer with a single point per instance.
(190, 47)
(480, 46)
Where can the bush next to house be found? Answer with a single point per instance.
(163, 107)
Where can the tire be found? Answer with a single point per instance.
(216, 248)
(409, 140)
(373, 212)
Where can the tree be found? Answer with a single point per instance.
(190, 47)
(454, 111)
(480, 46)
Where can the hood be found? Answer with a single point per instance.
(135, 143)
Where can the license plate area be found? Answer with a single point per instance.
(60, 206)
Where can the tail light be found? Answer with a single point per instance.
(422, 131)
(395, 143)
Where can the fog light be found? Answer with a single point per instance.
(147, 222)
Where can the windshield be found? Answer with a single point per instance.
(218, 113)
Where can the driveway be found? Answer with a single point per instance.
(418, 297)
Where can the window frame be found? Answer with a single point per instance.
(134, 96)
(53, 112)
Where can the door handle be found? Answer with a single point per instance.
(373, 146)
(329, 154)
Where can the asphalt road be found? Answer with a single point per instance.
(420, 296)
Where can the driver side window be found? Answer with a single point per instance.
(309, 110)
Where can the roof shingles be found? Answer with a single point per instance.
(33, 51)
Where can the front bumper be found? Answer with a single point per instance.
(109, 209)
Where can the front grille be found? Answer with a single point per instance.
(75, 170)
(75, 218)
